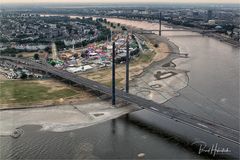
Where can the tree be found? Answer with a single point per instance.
(84, 43)
(10, 52)
(156, 45)
(36, 56)
(3, 40)
(91, 32)
(23, 75)
(77, 45)
(75, 55)
(124, 28)
(84, 54)
(60, 45)
(53, 63)
(20, 56)
(48, 49)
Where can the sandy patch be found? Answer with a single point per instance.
(61, 118)
(150, 87)
(161, 52)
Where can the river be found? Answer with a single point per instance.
(212, 93)
(213, 75)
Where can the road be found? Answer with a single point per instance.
(174, 114)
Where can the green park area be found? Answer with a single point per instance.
(145, 57)
(30, 92)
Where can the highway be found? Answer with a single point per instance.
(213, 128)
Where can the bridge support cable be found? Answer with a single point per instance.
(172, 102)
(197, 117)
(183, 96)
(200, 93)
(207, 98)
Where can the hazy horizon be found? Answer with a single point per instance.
(113, 1)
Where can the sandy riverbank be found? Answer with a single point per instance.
(61, 118)
(158, 82)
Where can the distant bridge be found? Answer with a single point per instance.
(160, 30)
(176, 30)
(213, 128)
(166, 30)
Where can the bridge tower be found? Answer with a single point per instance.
(160, 23)
(54, 51)
(113, 74)
(127, 66)
(73, 46)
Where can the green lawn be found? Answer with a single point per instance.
(27, 92)
(146, 57)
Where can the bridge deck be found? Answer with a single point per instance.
(179, 116)
(179, 30)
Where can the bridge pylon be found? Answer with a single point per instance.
(160, 24)
(127, 66)
(113, 74)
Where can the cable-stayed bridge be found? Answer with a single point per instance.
(213, 128)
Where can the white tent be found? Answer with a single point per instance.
(79, 69)
(93, 54)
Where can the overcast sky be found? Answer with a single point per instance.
(114, 1)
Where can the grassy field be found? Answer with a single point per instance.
(146, 57)
(28, 92)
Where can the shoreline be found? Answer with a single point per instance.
(161, 90)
